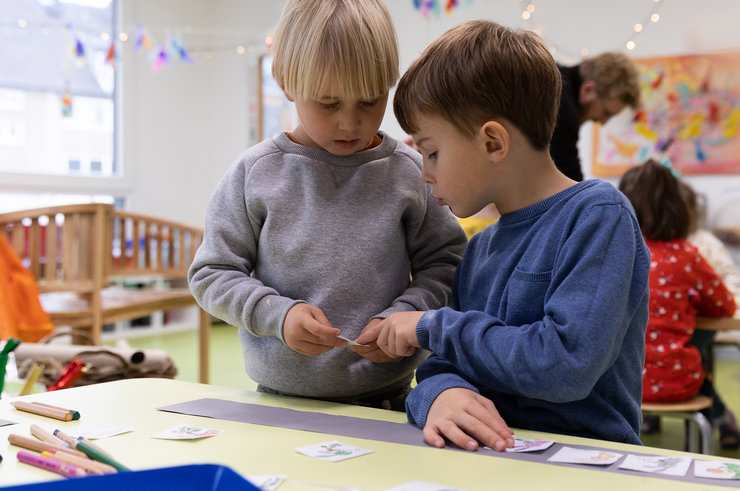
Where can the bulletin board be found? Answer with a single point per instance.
(690, 113)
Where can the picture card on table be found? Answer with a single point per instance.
(332, 451)
(181, 431)
(529, 445)
(421, 486)
(716, 469)
(94, 432)
(658, 464)
(570, 455)
(267, 482)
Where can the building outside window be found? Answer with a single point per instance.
(58, 105)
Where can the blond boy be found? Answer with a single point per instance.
(327, 229)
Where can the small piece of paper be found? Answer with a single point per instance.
(716, 469)
(181, 431)
(658, 464)
(352, 343)
(570, 455)
(333, 451)
(529, 445)
(94, 432)
(267, 482)
(421, 486)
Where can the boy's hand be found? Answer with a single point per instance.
(397, 335)
(372, 351)
(307, 331)
(466, 418)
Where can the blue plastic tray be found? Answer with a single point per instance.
(182, 478)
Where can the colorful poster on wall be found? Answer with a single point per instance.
(690, 113)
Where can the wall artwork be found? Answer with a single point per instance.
(690, 113)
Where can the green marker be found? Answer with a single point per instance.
(100, 457)
(10, 345)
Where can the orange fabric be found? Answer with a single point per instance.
(21, 314)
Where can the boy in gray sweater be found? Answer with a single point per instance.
(328, 229)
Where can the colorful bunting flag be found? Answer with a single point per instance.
(67, 105)
(141, 39)
(111, 56)
(434, 6)
(161, 58)
(180, 50)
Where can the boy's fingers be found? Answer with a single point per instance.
(311, 349)
(489, 417)
(494, 438)
(432, 437)
(370, 333)
(323, 332)
(452, 432)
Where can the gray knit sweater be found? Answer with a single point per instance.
(290, 223)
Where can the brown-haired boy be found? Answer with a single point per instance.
(546, 330)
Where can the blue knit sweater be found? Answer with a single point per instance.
(548, 318)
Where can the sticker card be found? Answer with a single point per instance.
(529, 445)
(570, 455)
(716, 469)
(420, 486)
(181, 431)
(351, 342)
(657, 464)
(267, 482)
(332, 451)
(94, 432)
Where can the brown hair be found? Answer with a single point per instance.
(697, 206)
(479, 71)
(615, 75)
(660, 207)
(350, 42)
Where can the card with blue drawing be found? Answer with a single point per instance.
(332, 451)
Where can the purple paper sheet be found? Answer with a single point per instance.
(6, 423)
(386, 431)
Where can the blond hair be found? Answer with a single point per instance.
(615, 75)
(480, 71)
(351, 43)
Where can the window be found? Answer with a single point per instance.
(58, 99)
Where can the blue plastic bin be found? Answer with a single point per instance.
(201, 477)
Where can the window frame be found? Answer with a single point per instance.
(116, 185)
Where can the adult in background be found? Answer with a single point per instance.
(594, 90)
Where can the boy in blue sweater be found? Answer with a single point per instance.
(546, 329)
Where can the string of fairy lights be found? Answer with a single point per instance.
(529, 14)
(170, 47)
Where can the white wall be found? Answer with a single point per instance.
(184, 125)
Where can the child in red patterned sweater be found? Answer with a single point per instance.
(682, 286)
